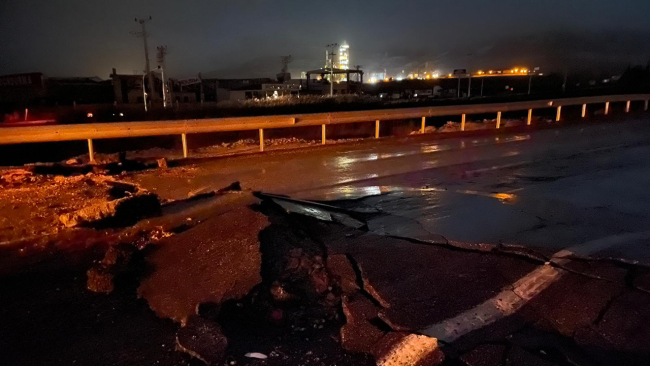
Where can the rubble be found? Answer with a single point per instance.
(119, 212)
(202, 339)
(59, 169)
(17, 176)
(215, 261)
(100, 279)
(162, 163)
(117, 261)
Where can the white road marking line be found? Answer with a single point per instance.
(514, 297)
(410, 350)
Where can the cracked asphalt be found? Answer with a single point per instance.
(576, 192)
(527, 247)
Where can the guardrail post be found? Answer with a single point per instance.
(627, 107)
(323, 133)
(559, 112)
(530, 117)
(261, 139)
(91, 151)
(424, 121)
(184, 138)
(584, 110)
(462, 123)
(498, 120)
(645, 106)
(377, 129)
(606, 108)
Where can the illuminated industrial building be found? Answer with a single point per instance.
(344, 58)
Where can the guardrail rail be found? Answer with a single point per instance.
(92, 131)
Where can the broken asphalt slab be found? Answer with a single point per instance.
(217, 260)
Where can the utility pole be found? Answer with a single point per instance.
(144, 36)
(331, 55)
(469, 86)
(144, 94)
(458, 85)
(162, 52)
(482, 81)
(530, 82)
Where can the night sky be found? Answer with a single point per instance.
(245, 38)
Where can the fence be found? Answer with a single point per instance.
(90, 132)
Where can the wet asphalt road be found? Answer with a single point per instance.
(554, 188)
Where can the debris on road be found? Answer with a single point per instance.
(162, 163)
(257, 355)
(117, 261)
(16, 176)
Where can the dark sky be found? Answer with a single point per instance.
(245, 38)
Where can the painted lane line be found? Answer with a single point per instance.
(514, 297)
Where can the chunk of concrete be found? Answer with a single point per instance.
(215, 261)
(116, 261)
(202, 339)
(100, 280)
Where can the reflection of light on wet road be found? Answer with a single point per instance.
(433, 148)
(514, 138)
(503, 197)
(345, 161)
(355, 179)
(351, 191)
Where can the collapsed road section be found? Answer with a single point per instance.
(269, 280)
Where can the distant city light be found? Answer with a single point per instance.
(89, 115)
(386, 79)
(373, 79)
(491, 71)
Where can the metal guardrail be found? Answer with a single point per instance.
(18, 135)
